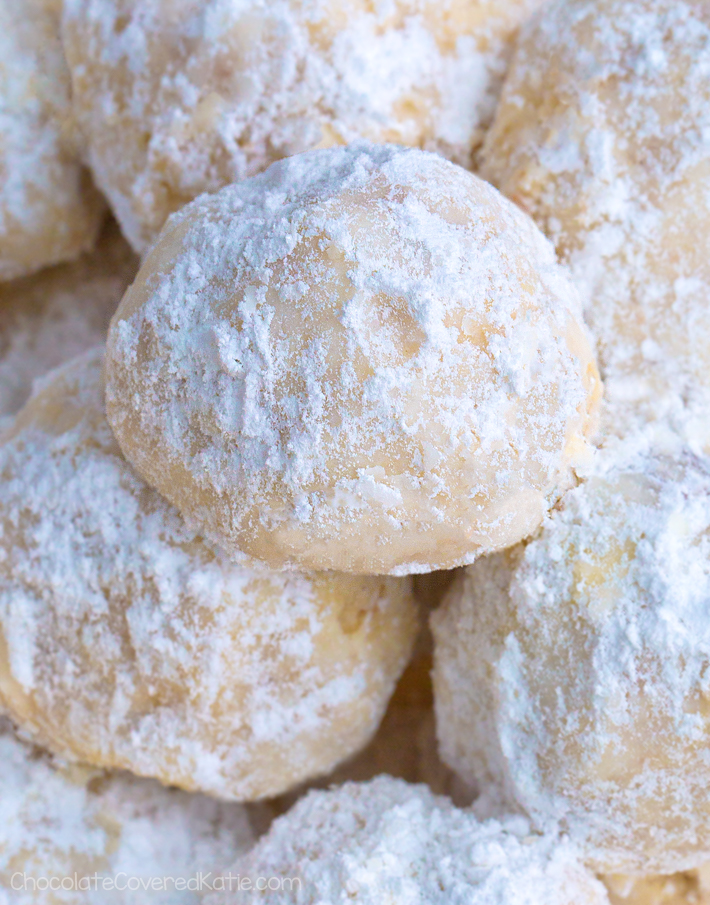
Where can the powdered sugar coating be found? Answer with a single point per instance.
(404, 745)
(363, 359)
(51, 317)
(128, 643)
(572, 673)
(388, 841)
(603, 135)
(65, 824)
(49, 210)
(179, 97)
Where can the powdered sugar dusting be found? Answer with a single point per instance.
(49, 211)
(362, 359)
(49, 318)
(178, 98)
(603, 135)
(572, 673)
(127, 642)
(66, 824)
(405, 744)
(387, 841)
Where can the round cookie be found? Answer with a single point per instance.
(571, 674)
(364, 359)
(78, 836)
(603, 136)
(388, 841)
(49, 210)
(404, 745)
(51, 317)
(126, 642)
(180, 97)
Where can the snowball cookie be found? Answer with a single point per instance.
(363, 359)
(690, 888)
(126, 642)
(179, 97)
(603, 135)
(388, 841)
(101, 835)
(53, 316)
(405, 744)
(49, 210)
(572, 673)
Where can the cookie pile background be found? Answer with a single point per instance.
(354, 452)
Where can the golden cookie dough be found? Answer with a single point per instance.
(79, 836)
(179, 97)
(690, 888)
(404, 747)
(603, 136)
(364, 359)
(51, 317)
(387, 841)
(126, 642)
(571, 673)
(49, 210)
(405, 744)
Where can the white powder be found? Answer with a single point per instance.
(571, 674)
(51, 317)
(603, 135)
(127, 642)
(181, 97)
(390, 842)
(60, 823)
(363, 359)
(49, 211)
